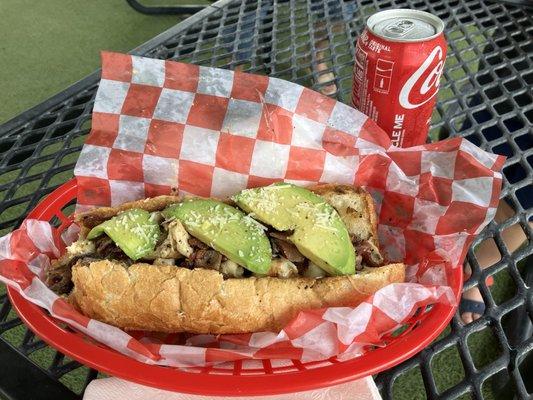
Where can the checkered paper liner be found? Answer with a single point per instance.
(160, 124)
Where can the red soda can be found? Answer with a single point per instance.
(399, 59)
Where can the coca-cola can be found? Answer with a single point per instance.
(399, 59)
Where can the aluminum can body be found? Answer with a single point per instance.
(399, 60)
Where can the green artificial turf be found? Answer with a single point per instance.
(47, 45)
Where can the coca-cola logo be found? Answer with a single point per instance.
(423, 85)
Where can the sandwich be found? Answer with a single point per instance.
(246, 264)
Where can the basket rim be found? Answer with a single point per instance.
(119, 365)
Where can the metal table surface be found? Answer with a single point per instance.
(485, 96)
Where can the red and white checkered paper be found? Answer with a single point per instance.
(211, 132)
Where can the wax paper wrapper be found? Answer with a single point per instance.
(159, 125)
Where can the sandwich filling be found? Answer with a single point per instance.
(281, 231)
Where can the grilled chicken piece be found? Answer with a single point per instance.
(231, 269)
(314, 271)
(282, 268)
(179, 238)
(175, 245)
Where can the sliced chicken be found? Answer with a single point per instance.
(314, 271)
(231, 269)
(175, 245)
(282, 268)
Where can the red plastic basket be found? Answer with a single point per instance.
(240, 378)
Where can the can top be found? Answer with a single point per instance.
(404, 25)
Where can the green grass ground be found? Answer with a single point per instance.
(47, 45)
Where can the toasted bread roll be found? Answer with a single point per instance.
(173, 299)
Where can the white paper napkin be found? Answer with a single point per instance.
(118, 389)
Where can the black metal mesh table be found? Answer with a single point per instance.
(485, 96)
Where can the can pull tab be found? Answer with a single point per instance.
(399, 28)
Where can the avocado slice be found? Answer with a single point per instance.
(227, 230)
(135, 231)
(319, 233)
